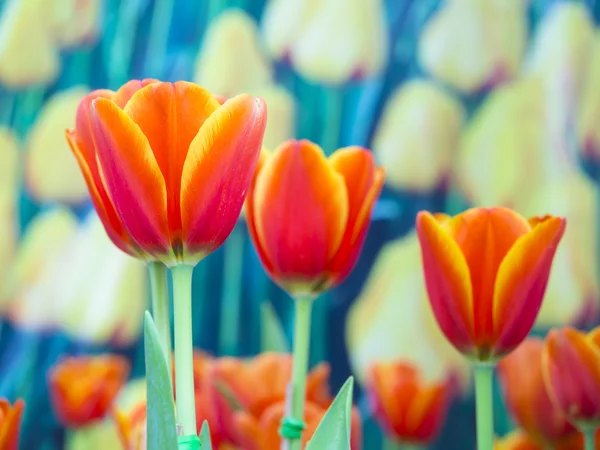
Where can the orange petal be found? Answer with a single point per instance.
(301, 212)
(317, 385)
(125, 92)
(448, 282)
(249, 432)
(364, 183)
(485, 236)
(390, 394)
(133, 179)
(10, 424)
(218, 170)
(170, 116)
(427, 413)
(521, 283)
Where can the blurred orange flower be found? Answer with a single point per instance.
(83, 388)
(10, 423)
(486, 272)
(516, 440)
(572, 374)
(408, 409)
(308, 214)
(159, 160)
(131, 427)
(527, 398)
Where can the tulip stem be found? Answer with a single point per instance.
(484, 375)
(160, 308)
(303, 311)
(184, 362)
(589, 438)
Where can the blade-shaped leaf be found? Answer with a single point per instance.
(272, 335)
(161, 427)
(333, 433)
(205, 443)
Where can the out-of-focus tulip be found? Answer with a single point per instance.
(231, 61)
(308, 215)
(74, 22)
(98, 380)
(517, 440)
(486, 271)
(470, 44)
(10, 423)
(575, 274)
(528, 399)
(408, 409)
(132, 428)
(418, 136)
(282, 114)
(588, 134)
(329, 41)
(502, 153)
(51, 173)
(170, 158)
(571, 362)
(392, 320)
(9, 168)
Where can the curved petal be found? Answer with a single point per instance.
(170, 116)
(485, 236)
(448, 282)
(427, 412)
(301, 212)
(217, 172)
(132, 176)
(364, 183)
(521, 283)
(10, 423)
(125, 92)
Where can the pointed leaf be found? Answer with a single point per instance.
(205, 443)
(161, 425)
(333, 433)
(273, 337)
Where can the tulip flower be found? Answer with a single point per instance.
(132, 427)
(10, 423)
(517, 440)
(98, 380)
(165, 174)
(572, 375)
(528, 399)
(9, 187)
(75, 22)
(409, 410)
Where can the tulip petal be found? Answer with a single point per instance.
(427, 411)
(125, 92)
(301, 211)
(218, 171)
(448, 282)
(170, 116)
(10, 421)
(521, 283)
(133, 179)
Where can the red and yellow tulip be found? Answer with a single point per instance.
(572, 374)
(408, 409)
(308, 214)
(486, 272)
(10, 423)
(82, 389)
(167, 166)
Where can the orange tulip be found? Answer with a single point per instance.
(10, 423)
(516, 440)
(572, 374)
(131, 427)
(486, 271)
(308, 215)
(83, 388)
(167, 166)
(407, 409)
(528, 399)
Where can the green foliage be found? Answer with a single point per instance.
(273, 337)
(205, 437)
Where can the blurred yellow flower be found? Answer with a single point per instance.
(588, 131)
(231, 61)
(73, 22)
(502, 152)
(328, 41)
(573, 291)
(471, 44)
(392, 319)
(281, 114)
(51, 172)
(418, 136)
(9, 169)
(516, 440)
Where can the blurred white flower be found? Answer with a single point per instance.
(75, 22)
(9, 169)
(588, 131)
(281, 114)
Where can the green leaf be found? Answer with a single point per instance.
(205, 443)
(161, 426)
(272, 335)
(333, 433)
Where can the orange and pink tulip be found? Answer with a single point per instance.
(486, 271)
(308, 215)
(167, 166)
(10, 423)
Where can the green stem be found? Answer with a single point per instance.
(334, 103)
(484, 374)
(159, 36)
(589, 439)
(303, 310)
(184, 359)
(232, 292)
(160, 308)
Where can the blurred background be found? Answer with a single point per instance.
(464, 102)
